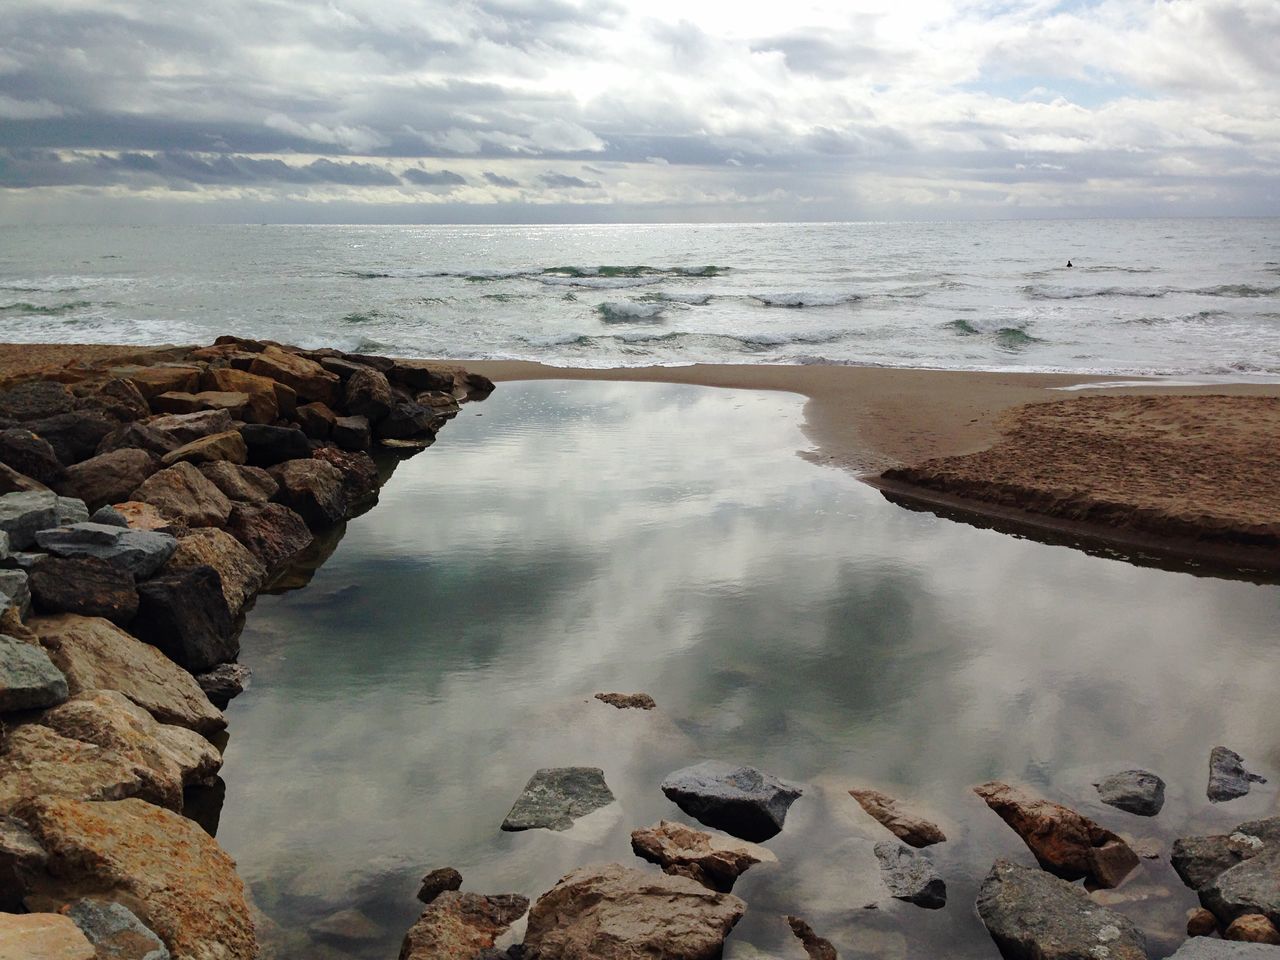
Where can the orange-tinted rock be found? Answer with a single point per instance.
(818, 948)
(240, 482)
(144, 516)
(313, 489)
(153, 381)
(228, 446)
(262, 405)
(241, 573)
(181, 492)
(42, 936)
(712, 860)
(1201, 923)
(233, 402)
(305, 377)
(316, 420)
(461, 925)
(907, 827)
(272, 532)
(1252, 928)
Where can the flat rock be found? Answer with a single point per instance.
(555, 797)
(224, 683)
(181, 492)
(1065, 842)
(457, 925)
(139, 552)
(313, 489)
(627, 701)
(910, 876)
(241, 573)
(612, 912)
(239, 482)
(24, 513)
(234, 402)
(85, 585)
(1034, 916)
(818, 948)
(163, 378)
(30, 455)
(183, 612)
(95, 654)
(907, 827)
(181, 428)
(1138, 792)
(42, 936)
(28, 678)
(437, 882)
(1228, 779)
(262, 406)
(714, 861)
(1204, 948)
(305, 377)
(170, 873)
(269, 445)
(740, 800)
(215, 448)
(115, 932)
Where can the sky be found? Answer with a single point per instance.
(421, 111)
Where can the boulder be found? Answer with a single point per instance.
(118, 399)
(11, 481)
(36, 400)
(37, 761)
(407, 421)
(261, 407)
(73, 436)
(437, 882)
(910, 876)
(444, 404)
(15, 591)
(42, 936)
(1201, 923)
(1252, 928)
(1134, 791)
(180, 428)
(20, 856)
(368, 394)
(343, 367)
(84, 585)
(1228, 779)
(1198, 860)
(147, 518)
(224, 683)
(714, 861)
(1202, 948)
(1250, 887)
(109, 516)
(30, 455)
(313, 489)
(235, 403)
(23, 514)
(240, 572)
(163, 378)
(611, 912)
(28, 678)
(306, 378)
(94, 654)
(461, 925)
(71, 510)
(419, 375)
(1065, 843)
(555, 797)
(115, 932)
(269, 445)
(183, 613)
(818, 948)
(181, 492)
(315, 419)
(109, 477)
(352, 433)
(360, 480)
(1034, 916)
(229, 446)
(169, 872)
(238, 482)
(740, 800)
(138, 436)
(907, 827)
(139, 552)
(627, 701)
(272, 532)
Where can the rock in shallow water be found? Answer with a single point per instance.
(1203, 948)
(1228, 779)
(555, 797)
(915, 830)
(627, 701)
(224, 683)
(716, 862)
(457, 925)
(1134, 791)
(910, 876)
(740, 800)
(437, 882)
(818, 948)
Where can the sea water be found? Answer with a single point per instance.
(1171, 297)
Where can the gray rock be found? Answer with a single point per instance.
(1204, 948)
(742, 801)
(910, 875)
(1198, 860)
(224, 683)
(28, 678)
(115, 931)
(1228, 778)
(109, 516)
(5, 552)
(23, 559)
(15, 591)
(1134, 791)
(1251, 886)
(555, 797)
(1032, 915)
(20, 856)
(25, 513)
(71, 510)
(141, 552)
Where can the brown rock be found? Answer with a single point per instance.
(272, 532)
(83, 585)
(908, 828)
(94, 654)
(1201, 923)
(241, 572)
(1252, 928)
(305, 377)
(138, 436)
(180, 428)
(262, 406)
(143, 516)
(74, 436)
(181, 492)
(37, 761)
(408, 421)
(108, 477)
(163, 867)
(312, 488)
(20, 856)
(418, 375)
(625, 701)
(316, 420)
(444, 404)
(153, 381)
(614, 913)
(818, 948)
(216, 447)
(238, 482)
(360, 480)
(234, 402)
(713, 860)
(42, 936)
(1065, 843)
(352, 433)
(120, 399)
(438, 881)
(11, 481)
(30, 456)
(457, 925)
(368, 394)
(35, 400)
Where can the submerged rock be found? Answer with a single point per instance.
(42, 936)
(909, 828)
(555, 797)
(346, 925)
(28, 678)
(910, 876)
(115, 932)
(740, 800)
(456, 925)
(611, 912)
(437, 882)
(1034, 916)
(1134, 791)
(1228, 779)
(818, 948)
(714, 861)
(139, 552)
(627, 701)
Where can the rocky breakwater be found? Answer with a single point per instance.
(142, 509)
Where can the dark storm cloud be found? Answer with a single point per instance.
(433, 178)
(566, 182)
(498, 180)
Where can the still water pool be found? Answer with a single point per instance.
(564, 539)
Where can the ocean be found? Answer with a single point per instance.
(1194, 297)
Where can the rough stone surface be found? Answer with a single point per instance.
(555, 797)
(138, 436)
(346, 926)
(28, 678)
(183, 612)
(360, 480)
(15, 591)
(437, 882)
(224, 683)
(268, 445)
(714, 861)
(272, 532)
(30, 455)
(1199, 861)
(42, 936)
(1252, 928)
(166, 869)
(461, 925)
(215, 448)
(84, 585)
(181, 492)
(234, 402)
(910, 876)
(368, 394)
(22, 514)
(420, 375)
(1252, 886)
(242, 483)
(37, 761)
(627, 701)
(352, 433)
(1134, 791)
(818, 948)
(20, 856)
(1228, 779)
(1065, 843)
(120, 399)
(907, 827)
(109, 516)
(71, 510)
(313, 489)
(1034, 916)
(143, 516)
(163, 378)
(139, 552)
(95, 654)
(614, 913)
(262, 406)
(1203, 948)
(35, 400)
(241, 573)
(115, 932)
(407, 421)
(305, 377)
(740, 800)
(181, 428)
(1201, 923)
(73, 436)
(315, 419)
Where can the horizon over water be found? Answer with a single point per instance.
(1177, 297)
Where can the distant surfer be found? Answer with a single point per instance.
(1068, 264)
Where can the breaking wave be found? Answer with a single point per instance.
(624, 311)
(52, 310)
(799, 300)
(1084, 293)
(1238, 290)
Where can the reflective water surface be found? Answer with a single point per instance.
(564, 539)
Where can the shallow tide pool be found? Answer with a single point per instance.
(564, 539)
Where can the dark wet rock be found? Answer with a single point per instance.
(272, 532)
(11, 481)
(907, 827)
(1034, 916)
(270, 445)
(714, 861)
(1065, 842)
(313, 489)
(30, 455)
(36, 400)
(139, 552)
(740, 800)
(818, 948)
(138, 436)
(316, 420)
(20, 856)
(224, 683)
(379, 363)
(73, 436)
(1228, 779)
(368, 394)
(444, 404)
(555, 797)
(407, 421)
(118, 399)
(910, 876)
(15, 591)
(109, 477)
(352, 433)
(1203, 948)
(626, 701)
(115, 932)
(611, 912)
(216, 447)
(24, 514)
(241, 573)
(437, 882)
(184, 614)
(239, 482)
(341, 366)
(477, 385)
(360, 480)
(1134, 791)
(28, 678)
(84, 585)
(109, 516)
(1201, 923)
(183, 493)
(419, 375)
(1252, 928)
(461, 925)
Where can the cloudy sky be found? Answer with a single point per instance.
(559, 110)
